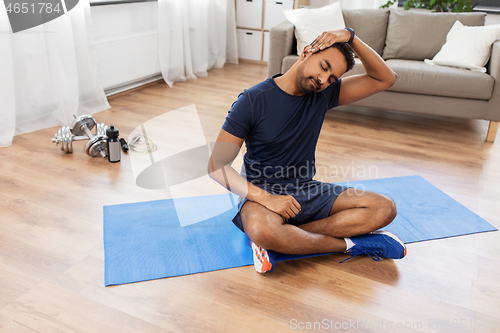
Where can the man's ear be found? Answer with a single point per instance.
(306, 52)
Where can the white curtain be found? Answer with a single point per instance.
(195, 36)
(48, 73)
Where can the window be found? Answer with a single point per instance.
(492, 6)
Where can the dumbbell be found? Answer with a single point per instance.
(65, 137)
(97, 144)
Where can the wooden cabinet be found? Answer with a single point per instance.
(254, 18)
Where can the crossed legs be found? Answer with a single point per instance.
(352, 214)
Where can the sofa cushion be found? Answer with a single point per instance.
(467, 47)
(417, 35)
(420, 78)
(417, 77)
(370, 26)
(310, 23)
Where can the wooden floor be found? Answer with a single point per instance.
(51, 247)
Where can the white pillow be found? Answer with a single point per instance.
(310, 23)
(467, 47)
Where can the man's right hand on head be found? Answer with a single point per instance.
(284, 205)
(328, 38)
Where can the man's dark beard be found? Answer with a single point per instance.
(305, 84)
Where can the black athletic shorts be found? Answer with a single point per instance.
(315, 198)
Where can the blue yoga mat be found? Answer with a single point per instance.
(145, 240)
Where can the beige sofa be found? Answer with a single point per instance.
(404, 39)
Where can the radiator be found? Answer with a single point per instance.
(126, 60)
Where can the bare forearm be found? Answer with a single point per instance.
(373, 63)
(234, 182)
(284, 205)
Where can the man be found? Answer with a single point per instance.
(281, 208)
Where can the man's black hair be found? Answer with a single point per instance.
(348, 53)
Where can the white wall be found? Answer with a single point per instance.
(492, 19)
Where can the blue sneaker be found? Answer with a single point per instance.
(263, 260)
(377, 244)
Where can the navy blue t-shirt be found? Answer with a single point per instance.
(280, 131)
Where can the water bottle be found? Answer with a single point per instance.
(114, 153)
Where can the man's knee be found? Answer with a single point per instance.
(386, 210)
(260, 223)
